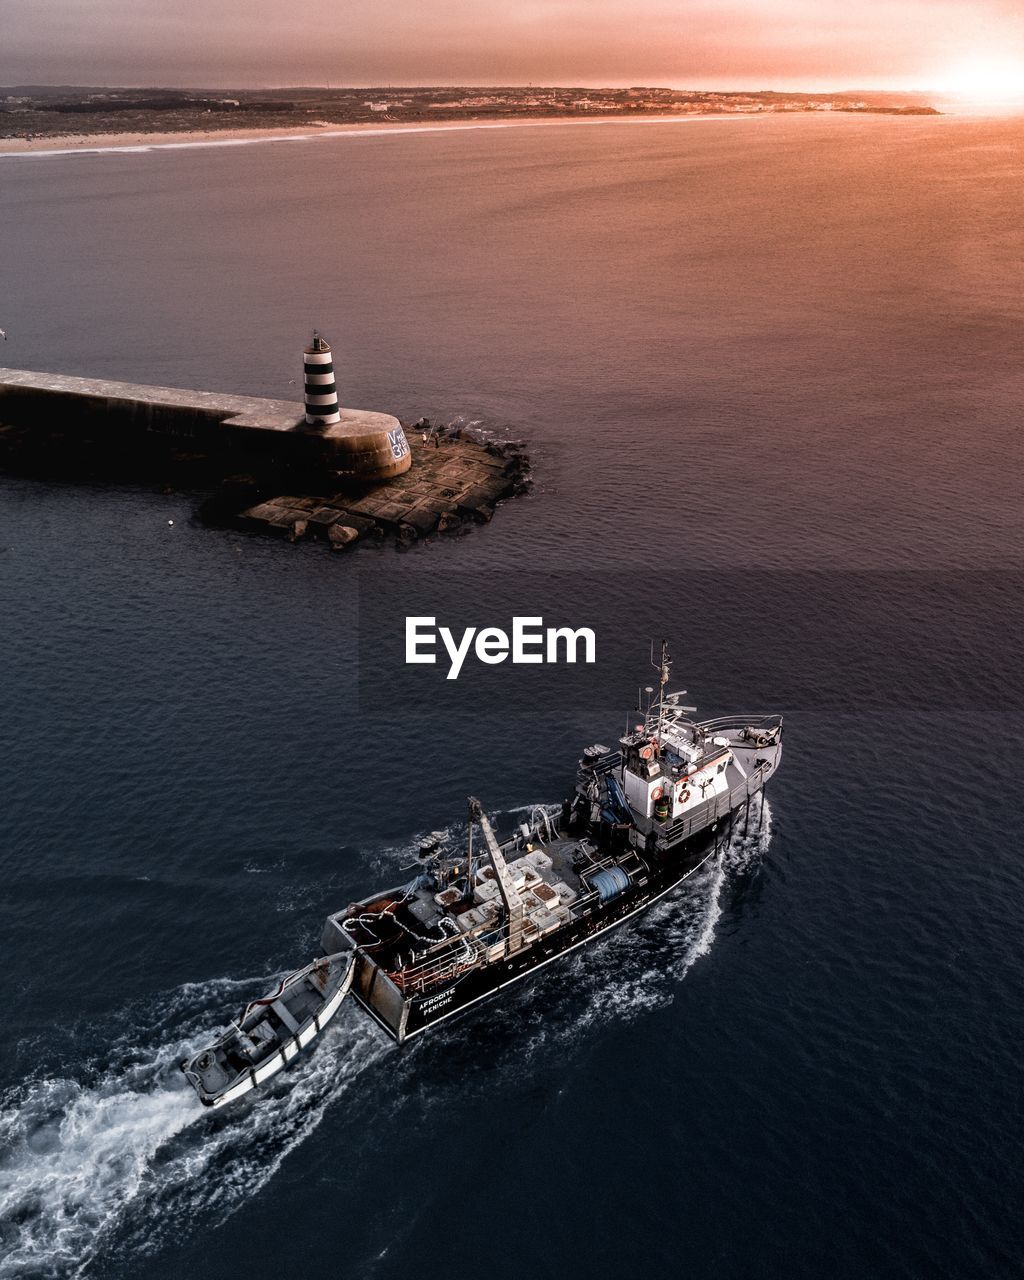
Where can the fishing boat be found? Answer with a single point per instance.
(643, 818)
(473, 920)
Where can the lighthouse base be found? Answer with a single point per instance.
(362, 446)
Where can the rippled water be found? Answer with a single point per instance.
(769, 372)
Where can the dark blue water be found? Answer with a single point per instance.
(770, 375)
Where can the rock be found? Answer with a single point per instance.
(480, 498)
(342, 536)
(321, 520)
(448, 490)
(362, 524)
(421, 519)
(271, 518)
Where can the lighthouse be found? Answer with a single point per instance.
(321, 391)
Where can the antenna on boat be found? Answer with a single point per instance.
(663, 667)
(469, 852)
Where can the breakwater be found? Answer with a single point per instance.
(258, 463)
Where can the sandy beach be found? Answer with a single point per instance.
(64, 144)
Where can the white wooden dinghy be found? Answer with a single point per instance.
(270, 1031)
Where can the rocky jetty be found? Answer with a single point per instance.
(456, 480)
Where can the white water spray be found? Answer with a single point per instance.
(639, 968)
(82, 1163)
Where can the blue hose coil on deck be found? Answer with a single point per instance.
(609, 884)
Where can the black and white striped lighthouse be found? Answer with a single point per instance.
(321, 391)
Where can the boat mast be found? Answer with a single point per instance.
(469, 852)
(506, 885)
(663, 668)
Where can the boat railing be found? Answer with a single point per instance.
(719, 806)
(438, 968)
(599, 767)
(758, 721)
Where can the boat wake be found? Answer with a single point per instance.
(643, 967)
(87, 1158)
(638, 967)
(632, 971)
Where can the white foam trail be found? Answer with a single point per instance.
(216, 1176)
(141, 148)
(76, 1156)
(120, 1155)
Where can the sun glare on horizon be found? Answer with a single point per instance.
(985, 80)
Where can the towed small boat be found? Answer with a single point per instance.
(270, 1031)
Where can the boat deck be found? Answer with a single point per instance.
(561, 852)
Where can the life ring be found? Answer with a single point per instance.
(684, 794)
(646, 753)
(658, 793)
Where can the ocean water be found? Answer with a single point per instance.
(769, 371)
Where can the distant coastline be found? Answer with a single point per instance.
(61, 118)
(85, 144)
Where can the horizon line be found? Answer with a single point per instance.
(469, 84)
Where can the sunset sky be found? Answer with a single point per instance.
(804, 44)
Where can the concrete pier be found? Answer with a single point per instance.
(262, 465)
(361, 446)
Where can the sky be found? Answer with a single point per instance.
(794, 44)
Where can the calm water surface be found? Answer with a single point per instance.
(770, 374)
